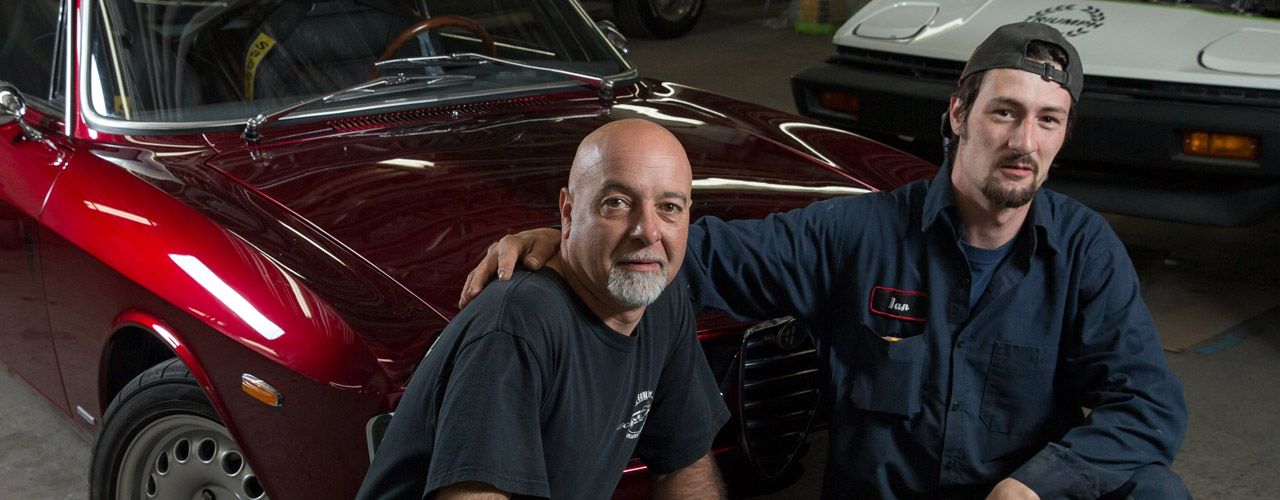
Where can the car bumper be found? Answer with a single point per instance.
(1125, 152)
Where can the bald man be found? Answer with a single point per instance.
(545, 385)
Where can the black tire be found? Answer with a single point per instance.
(161, 438)
(657, 18)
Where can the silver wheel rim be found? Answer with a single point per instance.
(185, 456)
(673, 10)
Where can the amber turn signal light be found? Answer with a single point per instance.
(839, 100)
(1215, 145)
(259, 390)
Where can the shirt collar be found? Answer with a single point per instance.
(940, 196)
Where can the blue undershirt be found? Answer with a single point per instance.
(982, 265)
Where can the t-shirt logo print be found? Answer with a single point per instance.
(644, 400)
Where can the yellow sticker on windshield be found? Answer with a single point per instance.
(257, 50)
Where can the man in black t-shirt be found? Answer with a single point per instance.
(547, 383)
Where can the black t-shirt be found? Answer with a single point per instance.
(530, 392)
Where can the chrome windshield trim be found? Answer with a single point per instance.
(82, 58)
(99, 122)
(102, 122)
(582, 12)
(69, 44)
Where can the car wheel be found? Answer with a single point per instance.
(161, 438)
(657, 18)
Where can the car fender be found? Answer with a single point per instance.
(138, 220)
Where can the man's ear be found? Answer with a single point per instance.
(953, 115)
(566, 212)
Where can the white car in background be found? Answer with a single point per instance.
(1179, 119)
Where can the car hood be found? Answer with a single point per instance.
(419, 197)
(1115, 39)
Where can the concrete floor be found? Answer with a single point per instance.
(1229, 377)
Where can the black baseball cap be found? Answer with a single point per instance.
(1007, 48)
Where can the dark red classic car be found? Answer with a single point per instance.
(227, 236)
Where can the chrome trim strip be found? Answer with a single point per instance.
(456, 36)
(115, 60)
(99, 120)
(84, 414)
(620, 57)
(69, 46)
(82, 51)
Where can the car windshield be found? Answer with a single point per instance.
(171, 61)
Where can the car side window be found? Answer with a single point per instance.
(31, 42)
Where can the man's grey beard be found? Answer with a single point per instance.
(637, 288)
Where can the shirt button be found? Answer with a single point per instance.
(960, 344)
(955, 406)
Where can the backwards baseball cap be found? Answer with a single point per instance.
(1007, 48)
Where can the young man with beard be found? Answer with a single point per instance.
(547, 383)
(984, 337)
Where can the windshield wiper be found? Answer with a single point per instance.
(603, 85)
(253, 127)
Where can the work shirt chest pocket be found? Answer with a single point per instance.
(887, 371)
(1019, 388)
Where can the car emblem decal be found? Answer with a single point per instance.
(1070, 19)
(787, 337)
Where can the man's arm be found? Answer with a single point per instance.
(1114, 365)
(488, 429)
(785, 264)
(698, 480)
(533, 248)
(472, 490)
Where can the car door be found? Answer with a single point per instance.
(31, 158)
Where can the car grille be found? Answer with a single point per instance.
(901, 64)
(778, 393)
(451, 112)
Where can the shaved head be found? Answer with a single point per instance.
(631, 141)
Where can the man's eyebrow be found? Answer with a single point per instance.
(1011, 102)
(676, 194)
(618, 186)
(623, 188)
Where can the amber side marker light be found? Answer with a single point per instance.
(259, 390)
(1233, 146)
(839, 100)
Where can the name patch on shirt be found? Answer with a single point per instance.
(899, 304)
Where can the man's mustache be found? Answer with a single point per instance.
(645, 256)
(1023, 160)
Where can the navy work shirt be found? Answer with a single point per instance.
(933, 397)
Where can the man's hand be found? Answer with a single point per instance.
(535, 247)
(698, 480)
(471, 490)
(1012, 489)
